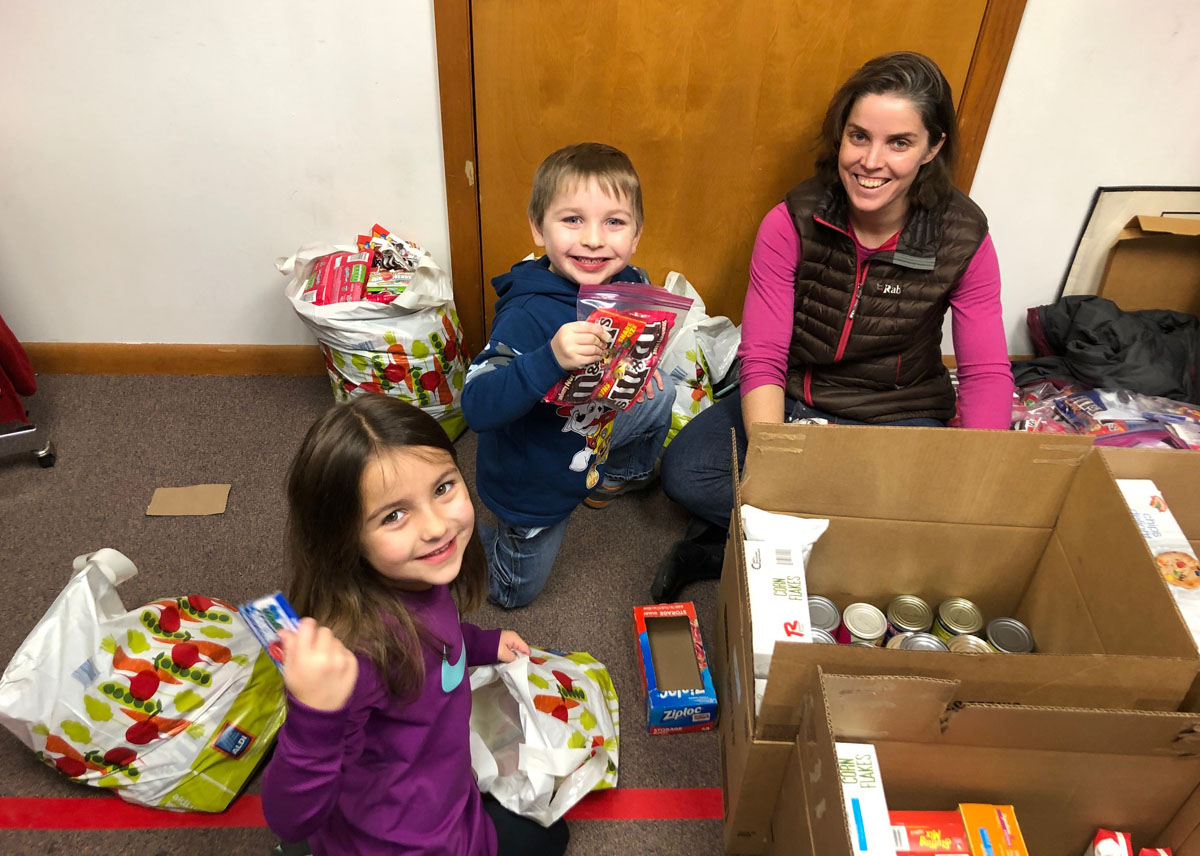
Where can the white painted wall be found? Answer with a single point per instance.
(1097, 93)
(156, 158)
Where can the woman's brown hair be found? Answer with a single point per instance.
(331, 581)
(916, 78)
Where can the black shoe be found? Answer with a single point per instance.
(701, 531)
(686, 562)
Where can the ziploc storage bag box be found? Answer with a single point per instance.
(675, 678)
(1025, 525)
(1066, 772)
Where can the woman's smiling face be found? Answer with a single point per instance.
(884, 145)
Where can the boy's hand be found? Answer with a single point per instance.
(648, 389)
(317, 668)
(510, 646)
(578, 344)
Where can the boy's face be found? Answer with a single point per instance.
(589, 236)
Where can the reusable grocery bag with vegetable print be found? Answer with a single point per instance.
(171, 705)
(410, 348)
(699, 355)
(544, 732)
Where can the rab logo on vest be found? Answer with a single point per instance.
(889, 288)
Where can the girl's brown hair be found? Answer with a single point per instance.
(916, 78)
(331, 581)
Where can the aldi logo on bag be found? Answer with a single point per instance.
(232, 741)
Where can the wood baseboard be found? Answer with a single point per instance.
(173, 359)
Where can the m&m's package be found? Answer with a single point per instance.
(638, 320)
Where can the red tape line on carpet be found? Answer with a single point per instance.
(113, 813)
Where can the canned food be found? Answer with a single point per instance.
(957, 616)
(861, 643)
(822, 637)
(923, 642)
(862, 622)
(908, 613)
(898, 639)
(823, 613)
(968, 644)
(1009, 636)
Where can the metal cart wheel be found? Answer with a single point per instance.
(47, 456)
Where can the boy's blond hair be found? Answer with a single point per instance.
(611, 168)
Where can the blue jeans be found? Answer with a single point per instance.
(695, 468)
(520, 558)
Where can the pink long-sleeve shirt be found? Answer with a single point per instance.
(976, 322)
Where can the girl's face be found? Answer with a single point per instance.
(884, 145)
(417, 516)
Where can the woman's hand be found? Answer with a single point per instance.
(317, 668)
(510, 646)
(578, 344)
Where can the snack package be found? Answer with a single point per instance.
(337, 278)
(992, 830)
(1185, 435)
(265, 617)
(391, 253)
(777, 548)
(638, 319)
(1109, 843)
(864, 799)
(917, 833)
(1176, 560)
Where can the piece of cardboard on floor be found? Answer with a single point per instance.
(195, 500)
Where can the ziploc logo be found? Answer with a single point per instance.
(695, 714)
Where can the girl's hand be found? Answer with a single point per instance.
(578, 344)
(510, 646)
(317, 668)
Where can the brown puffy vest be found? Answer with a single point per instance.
(867, 344)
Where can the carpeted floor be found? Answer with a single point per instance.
(120, 437)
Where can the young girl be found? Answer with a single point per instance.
(375, 754)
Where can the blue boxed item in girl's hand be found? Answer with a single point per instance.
(266, 616)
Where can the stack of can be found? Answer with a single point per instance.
(910, 624)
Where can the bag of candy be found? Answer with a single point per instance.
(638, 319)
(170, 705)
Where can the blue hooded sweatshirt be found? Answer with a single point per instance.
(536, 461)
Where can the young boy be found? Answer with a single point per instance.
(537, 461)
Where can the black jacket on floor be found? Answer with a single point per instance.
(1089, 339)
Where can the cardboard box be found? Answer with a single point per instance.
(1025, 525)
(1065, 771)
(1155, 264)
(676, 682)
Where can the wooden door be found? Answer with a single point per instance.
(718, 104)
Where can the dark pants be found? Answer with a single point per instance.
(520, 836)
(695, 467)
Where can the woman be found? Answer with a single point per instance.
(850, 280)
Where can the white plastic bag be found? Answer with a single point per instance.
(700, 353)
(411, 348)
(171, 705)
(544, 732)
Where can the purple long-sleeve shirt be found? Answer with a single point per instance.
(388, 776)
(976, 323)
